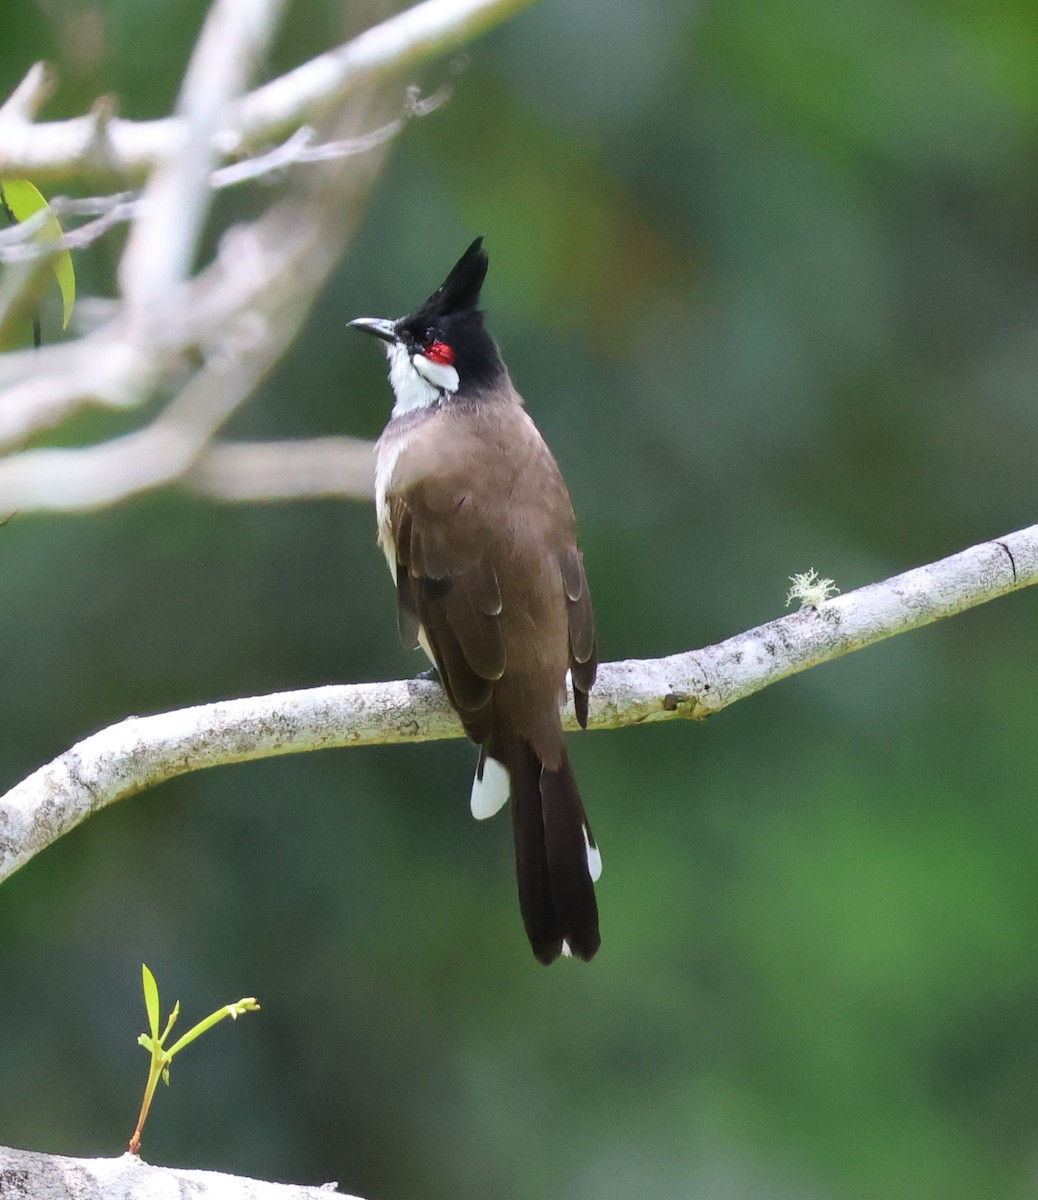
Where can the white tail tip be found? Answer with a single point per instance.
(489, 790)
(594, 858)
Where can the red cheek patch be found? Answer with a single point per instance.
(440, 352)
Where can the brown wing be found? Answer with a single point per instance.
(446, 586)
(484, 538)
(580, 618)
(406, 614)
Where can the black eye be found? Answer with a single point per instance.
(430, 335)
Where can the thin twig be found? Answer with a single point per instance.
(17, 243)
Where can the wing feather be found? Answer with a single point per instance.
(445, 588)
(580, 619)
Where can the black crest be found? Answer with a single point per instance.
(452, 315)
(459, 292)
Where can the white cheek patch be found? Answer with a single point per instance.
(417, 381)
(409, 388)
(440, 375)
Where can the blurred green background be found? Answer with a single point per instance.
(767, 275)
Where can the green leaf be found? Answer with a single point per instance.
(151, 1001)
(23, 199)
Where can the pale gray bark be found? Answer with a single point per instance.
(142, 751)
(26, 1175)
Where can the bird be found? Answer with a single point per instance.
(477, 526)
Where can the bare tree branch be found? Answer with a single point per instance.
(78, 480)
(163, 243)
(206, 340)
(242, 326)
(175, 448)
(129, 149)
(229, 310)
(142, 751)
(25, 1173)
(332, 467)
(27, 99)
(18, 242)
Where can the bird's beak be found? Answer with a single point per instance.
(381, 328)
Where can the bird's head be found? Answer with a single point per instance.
(441, 349)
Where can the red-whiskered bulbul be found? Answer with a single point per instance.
(478, 529)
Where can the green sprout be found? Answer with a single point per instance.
(154, 1043)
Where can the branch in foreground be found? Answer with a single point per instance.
(58, 1178)
(143, 751)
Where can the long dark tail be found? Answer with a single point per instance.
(553, 847)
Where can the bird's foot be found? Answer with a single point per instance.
(431, 674)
